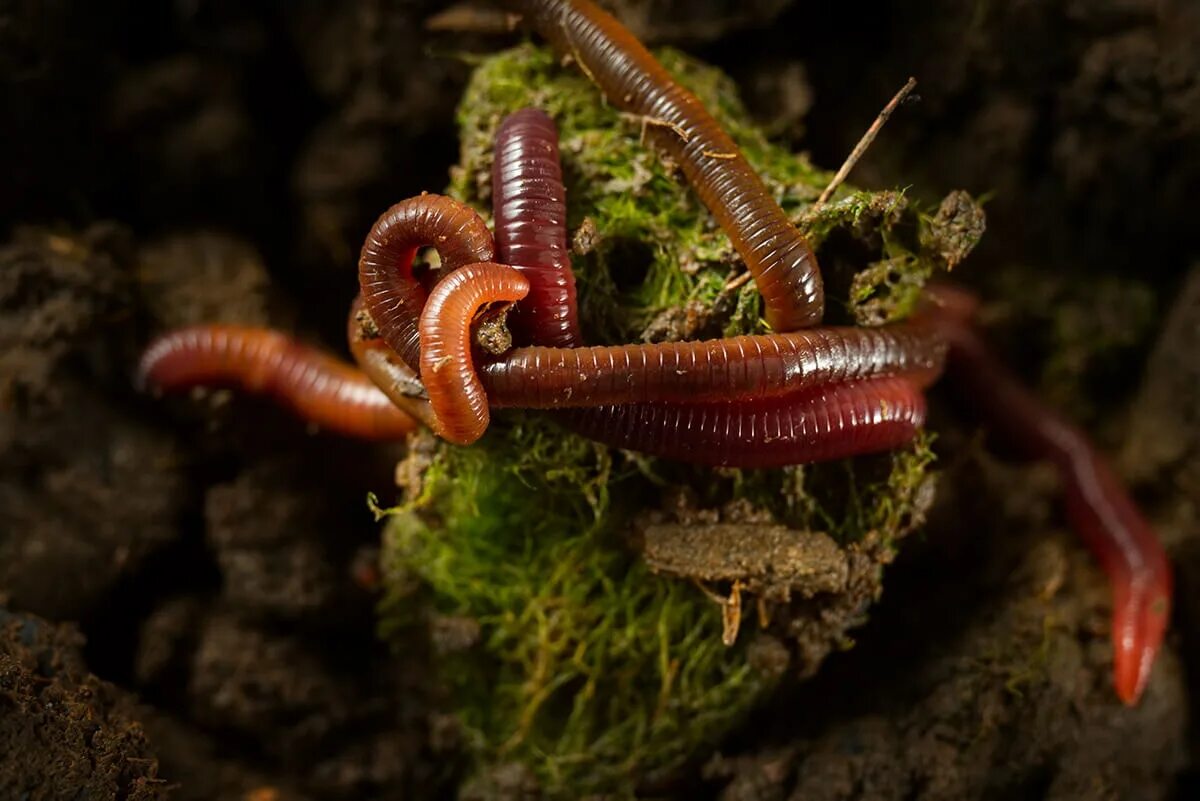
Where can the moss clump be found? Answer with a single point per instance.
(590, 670)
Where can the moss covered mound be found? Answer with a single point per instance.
(570, 657)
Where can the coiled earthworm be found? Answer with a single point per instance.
(776, 253)
(1097, 503)
(742, 367)
(317, 387)
(391, 293)
(817, 424)
(459, 402)
(383, 367)
(529, 205)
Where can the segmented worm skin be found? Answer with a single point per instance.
(529, 206)
(775, 252)
(741, 367)
(813, 425)
(390, 291)
(1098, 506)
(459, 402)
(384, 368)
(317, 387)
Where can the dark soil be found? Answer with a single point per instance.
(212, 160)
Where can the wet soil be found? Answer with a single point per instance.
(187, 586)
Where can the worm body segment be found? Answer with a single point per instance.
(775, 252)
(813, 425)
(1098, 506)
(529, 205)
(459, 402)
(391, 293)
(743, 367)
(317, 387)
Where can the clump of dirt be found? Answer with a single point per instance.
(63, 732)
(996, 684)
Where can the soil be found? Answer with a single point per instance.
(187, 585)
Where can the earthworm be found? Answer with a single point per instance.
(742, 367)
(815, 424)
(459, 402)
(383, 367)
(1097, 504)
(529, 205)
(776, 253)
(391, 293)
(317, 387)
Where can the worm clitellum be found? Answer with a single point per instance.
(317, 387)
(775, 252)
(391, 293)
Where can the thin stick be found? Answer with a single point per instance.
(865, 142)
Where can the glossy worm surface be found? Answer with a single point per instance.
(739, 367)
(1097, 503)
(317, 387)
(813, 425)
(775, 252)
(384, 368)
(391, 293)
(459, 402)
(529, 205)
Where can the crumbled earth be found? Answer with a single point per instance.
(222, 561)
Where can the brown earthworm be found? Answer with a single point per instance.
(459, 403)
(776, 253)
(815, 424)
(317, 387)
(742, 367)
(529, 205)
(383, 367)
(391, 293)
(1097, 503)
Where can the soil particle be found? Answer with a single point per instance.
(63, 732)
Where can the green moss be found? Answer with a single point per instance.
(590, 670)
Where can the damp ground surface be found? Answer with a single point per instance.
(189, 587)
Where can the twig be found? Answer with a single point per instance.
(865, 142)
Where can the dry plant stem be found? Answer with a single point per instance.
(1097, 503)
(777, 254)
(867, 139)
(391, 292)
(317, 387)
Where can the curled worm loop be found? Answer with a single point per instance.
(459, 402)
(391, 293)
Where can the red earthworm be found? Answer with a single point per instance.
(317, 387)
(459, 403)
(529, 205)
(775, 252)
(1097, 504)
(391, 293)
(742, 367)
(385, 369)
(816, 424)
